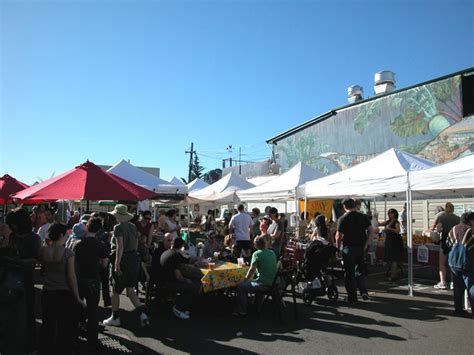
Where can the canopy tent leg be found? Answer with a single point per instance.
(5, 206)
(297, 204)
(305, 205)
(409, 242)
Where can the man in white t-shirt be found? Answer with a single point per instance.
(241, 225)
(43, 230)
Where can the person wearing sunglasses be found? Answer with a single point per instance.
(145, 227)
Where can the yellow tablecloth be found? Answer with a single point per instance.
(224, 275)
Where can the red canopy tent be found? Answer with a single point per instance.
(9, 186)
(85, 182)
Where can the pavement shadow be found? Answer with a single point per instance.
(212, 325)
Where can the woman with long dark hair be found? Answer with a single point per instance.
(60, 299)
(321, 230)
(393, 251)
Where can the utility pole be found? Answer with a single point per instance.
(229, 149)
(240, 161)
(190, 152)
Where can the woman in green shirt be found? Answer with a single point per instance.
(262, 272)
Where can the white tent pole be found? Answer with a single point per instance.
(297, 204)
(409, 238)
(305, 204)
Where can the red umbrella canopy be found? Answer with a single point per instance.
(86, 182)
(9, 186)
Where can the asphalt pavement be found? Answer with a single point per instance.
(390, 322)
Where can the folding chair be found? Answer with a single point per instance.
(278, 290)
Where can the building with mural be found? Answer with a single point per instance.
(434, 120)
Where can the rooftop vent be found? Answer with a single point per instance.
(355, 93)
(384, 82)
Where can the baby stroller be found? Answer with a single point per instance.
(313, 274)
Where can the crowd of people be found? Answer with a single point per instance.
(96, 253)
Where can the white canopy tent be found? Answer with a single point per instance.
(455, 178)
(259, 180)
(387, 173)
(127, 171)
(176, 181)
(222, 191)
(283, 187)
(196, 184)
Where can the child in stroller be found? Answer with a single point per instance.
(312, 272)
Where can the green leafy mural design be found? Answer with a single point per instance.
(305, 147)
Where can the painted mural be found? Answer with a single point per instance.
(426, 120)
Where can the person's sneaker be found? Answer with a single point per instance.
(461, 313)
(111, 321)
(451, 286)
(179, 314)
(144, 320)
(441, 286)
(365, 297)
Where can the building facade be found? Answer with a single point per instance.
(434, 120)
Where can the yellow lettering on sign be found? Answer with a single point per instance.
(322, 206)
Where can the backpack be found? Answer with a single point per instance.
(458, 258)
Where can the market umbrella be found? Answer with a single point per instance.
(85, 182)
(9, 186)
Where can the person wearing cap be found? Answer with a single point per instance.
(276, 231)
(241, 224)
(124, 265)
(79, 232)
(265, 223)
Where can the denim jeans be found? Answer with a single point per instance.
(463, 282)
(354, 266)
(89, 289)
(243, 289)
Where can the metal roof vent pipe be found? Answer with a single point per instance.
(384, 82)
(355, 93)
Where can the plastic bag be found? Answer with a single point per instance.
(423, 254)
(316, 283)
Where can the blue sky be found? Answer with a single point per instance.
(107, 80)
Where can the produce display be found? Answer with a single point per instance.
(417, 239)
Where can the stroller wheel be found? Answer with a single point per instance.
(332, 292)
(306, 296)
